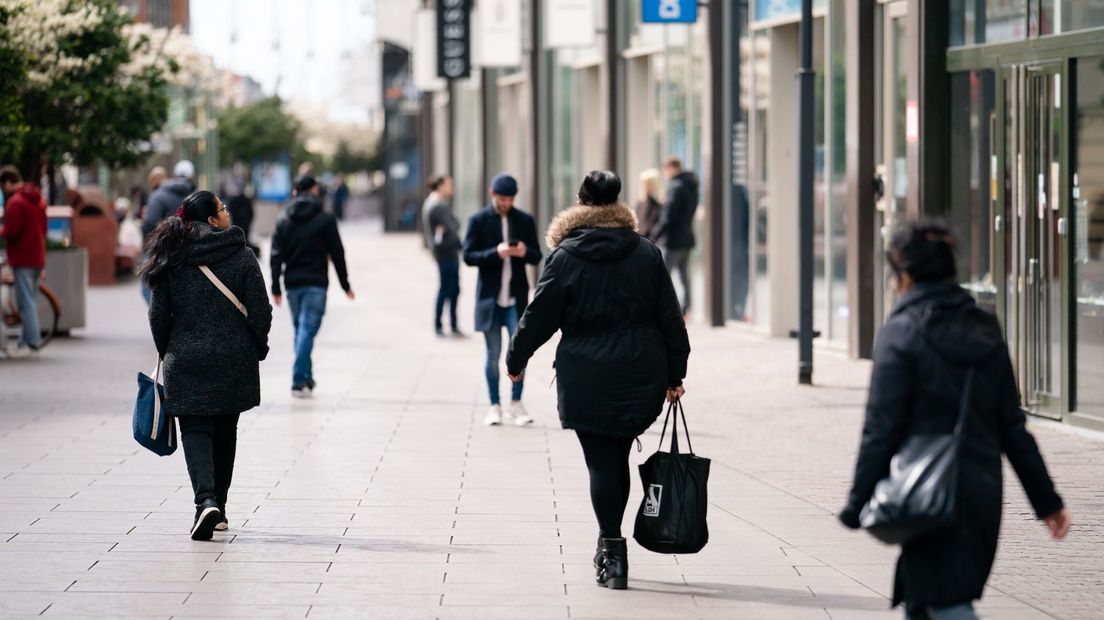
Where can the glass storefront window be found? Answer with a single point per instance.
(1071, 15)
(1088, 247)
(973, 22)
(973, 180)
(759, 194)
(837, 178)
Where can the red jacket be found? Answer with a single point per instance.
(25, 227)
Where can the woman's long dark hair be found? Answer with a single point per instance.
(175, 233)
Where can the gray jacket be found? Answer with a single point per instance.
(211, 352)
(164, 201)
(436, 212)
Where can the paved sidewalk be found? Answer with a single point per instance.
(385, 497)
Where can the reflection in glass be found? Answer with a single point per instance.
(973, 180)
(1088, 243)
(973, 22)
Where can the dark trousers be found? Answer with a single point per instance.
(607, 459)
(679, 262)
(449, 290)
(210, 444)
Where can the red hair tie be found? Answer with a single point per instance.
(180, 213)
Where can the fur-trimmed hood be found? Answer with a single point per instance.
(595, 234)
(577, 217)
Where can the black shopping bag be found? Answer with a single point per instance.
(672, 517)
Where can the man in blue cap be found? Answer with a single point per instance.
(501, 241)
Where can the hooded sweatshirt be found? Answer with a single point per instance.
(306, 239)
(25, 227)
(164, 201)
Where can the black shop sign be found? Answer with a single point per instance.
(454, 39)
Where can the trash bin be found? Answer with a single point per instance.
(95, 229)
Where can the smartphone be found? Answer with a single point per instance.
(513, 244)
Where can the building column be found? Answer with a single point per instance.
(859, 25)
(928, 90)
(782, 227)
(615, 76)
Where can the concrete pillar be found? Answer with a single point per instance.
(782, 222)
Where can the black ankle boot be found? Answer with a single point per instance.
(598, 554)
(614, 572)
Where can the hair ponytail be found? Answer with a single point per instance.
(175, 233)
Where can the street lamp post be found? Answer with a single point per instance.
(806, 84)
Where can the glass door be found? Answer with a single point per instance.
(1032, 229)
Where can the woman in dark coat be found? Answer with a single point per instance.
(624, 346)
(210, 349)
(934, 334)
(649, 209)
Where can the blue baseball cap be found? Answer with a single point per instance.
(504, 185)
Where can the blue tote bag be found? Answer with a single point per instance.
(153, 428)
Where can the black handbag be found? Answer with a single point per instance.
(672, 516)
(918, 495)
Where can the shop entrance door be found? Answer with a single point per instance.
(1032, 230)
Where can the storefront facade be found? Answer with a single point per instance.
(1025, 188)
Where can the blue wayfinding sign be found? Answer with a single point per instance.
(670, 11)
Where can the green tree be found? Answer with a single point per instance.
(262, 130)
(347, 161)
(13, 69)
(81, 96)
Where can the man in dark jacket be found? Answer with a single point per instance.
(443, 238)
(24, 230)
(501, 240)
(934, 335)
(675, 233)
(166, 199)
(305, 241)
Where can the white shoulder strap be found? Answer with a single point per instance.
(225, 291)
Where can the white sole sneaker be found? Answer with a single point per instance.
(206, 523)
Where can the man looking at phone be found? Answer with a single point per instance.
(501, 240)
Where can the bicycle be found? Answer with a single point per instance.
(10, 321)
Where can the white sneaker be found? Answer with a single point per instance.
(518, 414)
(494, 416)
(301, 392)
(20, 351)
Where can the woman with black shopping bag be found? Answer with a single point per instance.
(623, 350)
(210, 318)
(942, 377)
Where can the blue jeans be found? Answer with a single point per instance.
(307, 305)
(508, 318)
(449, 291)
(26, 294)
(963, 611)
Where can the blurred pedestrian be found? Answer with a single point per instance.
(501, 240)
(442, 232)
(165, 199)
(210, 348)
(24, 231)
(935, 334)
(648, 209)
(340, 197)
(305, 241)
(624, 346)
(675, 231)
(241, 215)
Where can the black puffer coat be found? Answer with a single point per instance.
(211, 352)
(934, 334)
(624, 340)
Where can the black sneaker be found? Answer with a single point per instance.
(208, 516)
(311, 384)
(223, 525)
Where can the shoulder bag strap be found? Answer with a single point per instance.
(156, 399)
(964, 404)
(225, 291)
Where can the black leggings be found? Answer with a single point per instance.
(607, 458)
(210, 445)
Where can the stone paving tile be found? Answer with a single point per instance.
(385, 496)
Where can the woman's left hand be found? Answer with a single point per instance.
(675, 393)
(516, 378)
